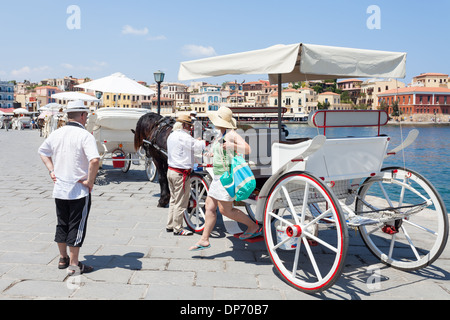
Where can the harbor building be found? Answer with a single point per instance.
(422, 104)
(6, 94)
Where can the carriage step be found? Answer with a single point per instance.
(359, 221)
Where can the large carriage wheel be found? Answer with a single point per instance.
(194, 215)
(417, 231)
(127, 163)
(305, 232)
(251, 211)
(150, 169)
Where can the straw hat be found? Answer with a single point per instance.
(184, 118)
(76, 106)
(223, 118)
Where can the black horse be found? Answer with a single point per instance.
(152, 131)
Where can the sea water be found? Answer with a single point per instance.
(429, 155)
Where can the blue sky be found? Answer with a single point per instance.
(138, 37)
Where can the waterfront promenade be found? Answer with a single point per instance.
(134, 257)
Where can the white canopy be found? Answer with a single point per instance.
(117, 83)
(52, 107)
(21, 111)
(74, 96)
(119, 118)
(300, 62)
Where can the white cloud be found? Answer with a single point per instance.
(96, 66)
(161, 37)
(100, 64)
(130, 30)
(26, 71)
(192, 50)
(67, 66)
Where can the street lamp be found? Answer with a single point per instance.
(99, 95)
(159, 78)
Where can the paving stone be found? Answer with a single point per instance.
(135, 258)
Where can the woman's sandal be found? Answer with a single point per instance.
(63, 263)
(80, 269)
(248, 235)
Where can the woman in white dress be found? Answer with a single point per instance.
(217, 195)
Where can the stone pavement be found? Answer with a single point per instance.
(135, 258)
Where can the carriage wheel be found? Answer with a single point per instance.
(410, 242)
(251, 209)
(194, 215)
(150, 169)
(305, 232)
(127, 164)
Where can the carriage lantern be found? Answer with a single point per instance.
(159, 78)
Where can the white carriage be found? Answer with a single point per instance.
(320, 187)
(111, 128)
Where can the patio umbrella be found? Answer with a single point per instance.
(300, 62)
(21, 111)
(117, 83)
(8, 111)
(45, 114)
(74, 96)
(54, 107)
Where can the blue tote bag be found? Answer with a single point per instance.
(240, 181)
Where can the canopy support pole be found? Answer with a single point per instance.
(280, 88)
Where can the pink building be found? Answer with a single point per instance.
(352, 86)
(47, 92)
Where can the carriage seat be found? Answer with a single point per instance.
(294, 141)
(324, 119)
(339, 158)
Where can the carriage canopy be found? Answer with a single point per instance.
(300, 62)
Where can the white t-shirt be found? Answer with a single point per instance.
(71, 148)
(180, 149)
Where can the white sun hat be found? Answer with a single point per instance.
(223, 118)
(76, 106)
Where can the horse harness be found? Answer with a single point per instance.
(162, 124)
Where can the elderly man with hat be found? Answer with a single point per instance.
(181, 147)
(71, 156)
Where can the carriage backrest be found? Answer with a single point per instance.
(324, 119)
(339, 158)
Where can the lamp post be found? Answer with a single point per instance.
(159, 78)
(99, 95)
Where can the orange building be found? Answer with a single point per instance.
(420, 103)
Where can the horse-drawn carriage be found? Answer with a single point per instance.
(320, 187)
(111, 128)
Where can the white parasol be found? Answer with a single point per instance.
(117, 83)
(300, 62)
(54, 107)
(74, 96)
(21, 111)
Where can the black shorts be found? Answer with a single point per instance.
(72, 220)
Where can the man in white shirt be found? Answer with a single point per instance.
(181, 147)
(71, 156)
